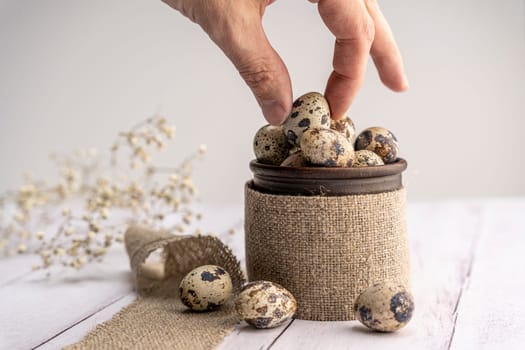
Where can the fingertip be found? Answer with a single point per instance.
(402, 88)
(404, 85)
(397, 83)
(337, 111)
(386, 55)
(266, 75)
(274, 112)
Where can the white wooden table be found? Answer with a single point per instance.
(468, 282)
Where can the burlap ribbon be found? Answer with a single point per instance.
(157, 319)
(326, 249)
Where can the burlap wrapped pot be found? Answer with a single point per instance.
(326, 234)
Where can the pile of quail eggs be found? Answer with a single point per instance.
(261, 304)
(309, 137)
(383, 307)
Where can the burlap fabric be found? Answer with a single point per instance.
(326, 250)
(157, 319)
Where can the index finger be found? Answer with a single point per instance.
(353, 28)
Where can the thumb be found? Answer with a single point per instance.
(263, 71)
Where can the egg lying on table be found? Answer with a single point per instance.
(205, 288)
(384, 307)
(311, 110)
(364, 158)
(346, 127)
(380, 141)
(326, 147)
(265, 304)
(270, 145)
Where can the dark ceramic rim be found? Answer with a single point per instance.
(329, 173)
(327, 181)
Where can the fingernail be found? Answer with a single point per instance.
(273, 111)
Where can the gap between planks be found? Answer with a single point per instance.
(225, 237)
(104, 307)
(443, 236)
(472, 257)
(277, 338)
(15, 279)
(490, 314)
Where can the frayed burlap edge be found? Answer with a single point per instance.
(157, 319)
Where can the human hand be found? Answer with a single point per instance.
(358, 25)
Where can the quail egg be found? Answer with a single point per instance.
(295, 160)
(380, 141)
(346, 127)
(294, 149)
(270, 145)
(265, 304)
(366, 158)
(384, 307)
(309, 111)
(326, 147)
(205, 288)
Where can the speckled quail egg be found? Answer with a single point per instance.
(384, 307)
(364, 158)
(326, 147)
(205, 288)
(309, 111)
(265, 304)
(380, 141)
(346, 127)
(295, 160)
(270, 145)
(294, 149)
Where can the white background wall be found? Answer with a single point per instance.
(73, 73)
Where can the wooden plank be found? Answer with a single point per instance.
(78, 331)
(215, 220)
(491, 312)
(35, 308)
(245, 336)
(15, 267)
(242, 337)
(441, 237)
(71, 303)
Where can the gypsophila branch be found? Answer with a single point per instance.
(160, 197)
